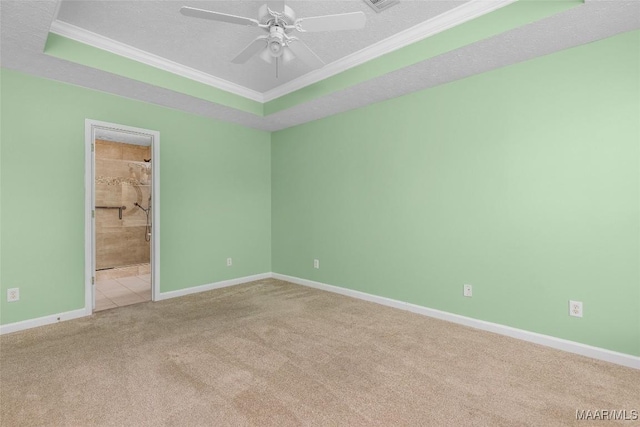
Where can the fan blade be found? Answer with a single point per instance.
(217, 16)
(343, 21)
(306, 55)
(254, 47)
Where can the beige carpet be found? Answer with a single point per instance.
(274, 353)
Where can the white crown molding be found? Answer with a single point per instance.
(57, 10)
(449, 19)
(546, 340)
(96, 40)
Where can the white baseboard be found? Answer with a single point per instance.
(60, 317)
(210, 286)
(546, 340)
(42, 321)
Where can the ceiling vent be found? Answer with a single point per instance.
(380, 5)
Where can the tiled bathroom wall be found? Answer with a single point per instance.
(122, 179)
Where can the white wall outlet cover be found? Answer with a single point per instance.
(229, 262)
(575, 308)
(13, 294)
(316, 263)
(467, 290)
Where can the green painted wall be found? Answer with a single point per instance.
(523, 181)
(215, 193)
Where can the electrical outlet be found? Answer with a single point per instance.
(467, 291)
(575, 308)
(229, 262)
(13, 294)
(316, 263)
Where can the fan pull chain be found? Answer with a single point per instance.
(277, 67)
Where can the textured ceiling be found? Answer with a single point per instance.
(25, 25)
(158, 27)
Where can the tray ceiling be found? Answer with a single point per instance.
(527, 30)
(158, 28)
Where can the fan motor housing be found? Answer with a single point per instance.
(288, 16)
(276, 42)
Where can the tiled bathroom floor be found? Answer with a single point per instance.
(112, 293)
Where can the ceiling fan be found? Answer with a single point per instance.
(278, 43)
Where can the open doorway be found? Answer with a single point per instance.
(122, 215)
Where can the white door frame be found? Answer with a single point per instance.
(89, 219)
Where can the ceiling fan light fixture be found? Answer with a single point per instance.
(275, 48)
(287, 56)
(265, 55)
(279, 23)
(275, 42)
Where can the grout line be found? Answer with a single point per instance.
(135, 291)
(111, 301)
(142, 296)
(130, 291)
(107, 308)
